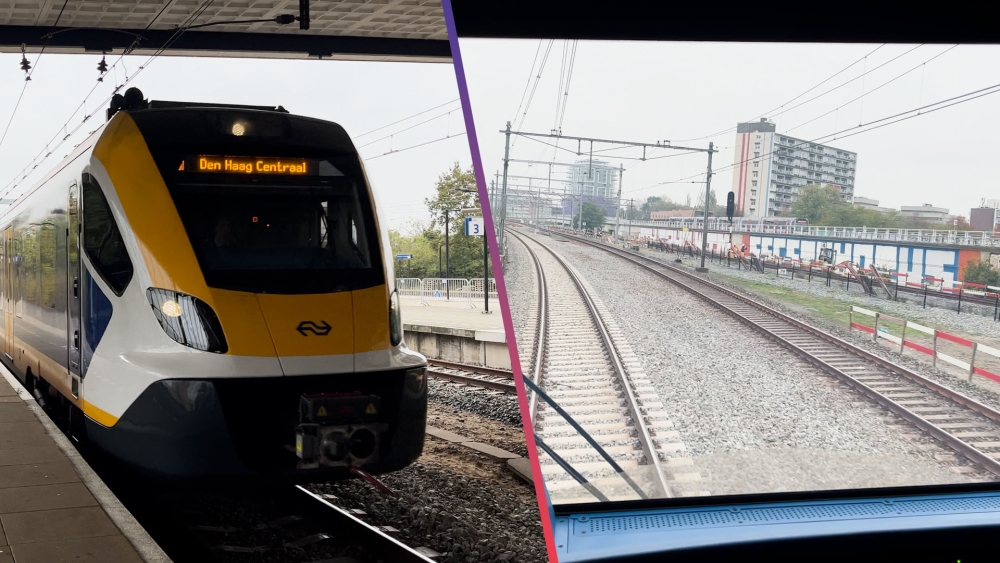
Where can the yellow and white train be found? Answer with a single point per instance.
(208, 291)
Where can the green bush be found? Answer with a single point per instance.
(981, 272)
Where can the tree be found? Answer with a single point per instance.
(981, 272)
(852, 216)
(593, 217)
(687, 201)
(711, 200)
(814, 202)
(466, 252)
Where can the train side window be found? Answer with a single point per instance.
(102, 241)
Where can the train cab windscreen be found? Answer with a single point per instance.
(286, 210)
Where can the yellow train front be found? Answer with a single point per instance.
(211, 288)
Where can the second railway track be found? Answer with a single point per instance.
(963, 424)
(476, 376)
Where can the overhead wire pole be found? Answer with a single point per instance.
(704, 222)
(503, 192)
(618, 206)
(579, 140)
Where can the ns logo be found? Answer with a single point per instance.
(317, 329)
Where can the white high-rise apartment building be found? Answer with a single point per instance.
(771, 168)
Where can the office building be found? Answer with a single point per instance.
(869, 203)
(986, 217)
(926, 213)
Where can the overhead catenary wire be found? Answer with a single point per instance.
(852, 131)
(436, 117)
(438, 140)
(873, 90)
(407, 118)
(28, 76)
(166, 45)
(191, 17)
(782, 106)
(569, 78)
(527, 84)
(563, 93)
(534, 88)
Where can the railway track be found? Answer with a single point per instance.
(281, 524)
(477, 376)
(965, 425)
(581, 362)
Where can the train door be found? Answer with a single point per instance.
(73, 289)
(8, 292)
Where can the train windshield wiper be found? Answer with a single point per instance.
(579, 429)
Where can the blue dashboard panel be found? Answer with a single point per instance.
(610, 536)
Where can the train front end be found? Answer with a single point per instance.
(261, 333)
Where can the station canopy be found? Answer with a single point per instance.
(367, 30)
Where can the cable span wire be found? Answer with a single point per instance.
(170, 41)
(417, 145)
(968, 96)
(28, 77)
(406, 118)
(782, 106)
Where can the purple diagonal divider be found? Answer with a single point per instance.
(545, 510)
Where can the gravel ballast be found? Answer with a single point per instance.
(754, 417)
(495, 405)
(468, 506)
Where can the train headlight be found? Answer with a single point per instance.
(188, 320)
(395, 319)
(171, 308)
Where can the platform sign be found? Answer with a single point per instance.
(474, 226)
(404, 256)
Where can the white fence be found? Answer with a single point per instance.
(446, 289)
(933, 236)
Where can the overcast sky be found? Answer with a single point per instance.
(361, 96)
(677, 91)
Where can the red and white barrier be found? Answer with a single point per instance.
(903, 343)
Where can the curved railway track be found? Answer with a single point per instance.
(965, 425)
(476, 376)
(579, 364)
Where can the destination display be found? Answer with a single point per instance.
(250, 165)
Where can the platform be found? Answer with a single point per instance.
(451, 314)
(449, 330)
(53, 507)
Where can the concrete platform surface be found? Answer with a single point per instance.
(53, 507)
(451, 314)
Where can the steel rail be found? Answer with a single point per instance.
(470, 380)
(495, 372)
(370, 536)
